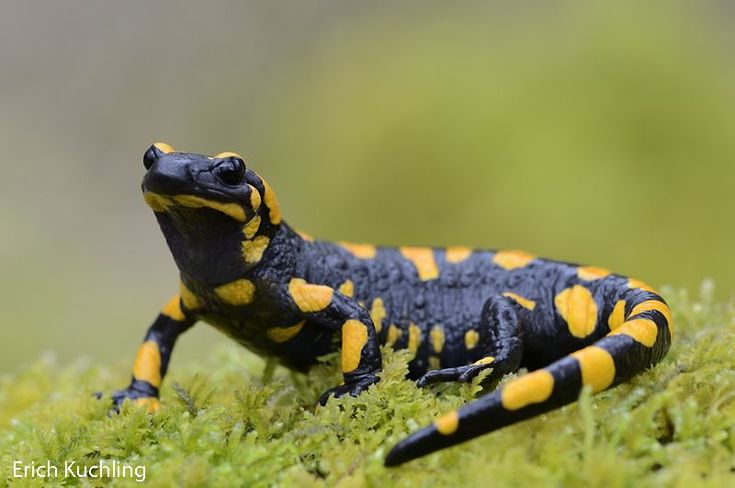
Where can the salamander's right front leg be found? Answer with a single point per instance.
(153, 356)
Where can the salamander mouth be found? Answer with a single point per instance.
(163, 203)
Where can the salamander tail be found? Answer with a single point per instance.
(639, 339)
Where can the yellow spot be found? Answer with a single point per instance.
(255, 199)
(534, 387)
(378, 313)
(512, 259)
(282, 334)
(347, 288)
(190, 301)
(437, 338)
(523, 302)
(227, 154)
(354, 338)
(274, 210)
(414, 338)
(305, 236)
(251, 228)
(457, 254)
(362, 251)
(591, 273)
(147, 365)
(161, 203)
(252, 250)
(308, 297)
(238, 292)
(423, 259)
(164, 148)
(638, 284)
(448, 423)
(434, 362)
(617, 316)
(151, 403)
(173, 309)
(597, 366)
(485, 360)
(578, 308)
(655, 305)
(394, 333)
(471, 338)
(642, 330)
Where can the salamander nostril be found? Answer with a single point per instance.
(151, 156)
(231, 171)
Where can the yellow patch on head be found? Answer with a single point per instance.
(535, 387)
(147, 365)
(394, 333)
(448, 423)
(192, 201)
(523, 302)
(423, 259)
(255, 199)
(347, 288)
(378, 313)
(414, 338)
(639, 285)
(164, 148)
(157, 203)
(228, 154)
(362, 251)
(282, 334)
(305, 236)
(150, 403)
(641, 330)
(434, 362)
(471, 338)
(238, 292)
(578, 308)
(274, 209)
(437, 338)
(354, 338)
(485, 360)
(655, 305)
(457, 254)
(173, 309)
(251, 228)
(188, 299)
(591, 273)
(252, 250)
(617, 316)
(512, 259)
(597, 366)
(308, 297)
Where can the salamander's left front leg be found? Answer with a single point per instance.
(361, 359)
(153, 356)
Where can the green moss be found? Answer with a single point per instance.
(674, 425)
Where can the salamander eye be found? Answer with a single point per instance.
(231, 171)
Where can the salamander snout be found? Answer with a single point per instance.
(155, 152)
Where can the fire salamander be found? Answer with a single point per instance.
(283, 294)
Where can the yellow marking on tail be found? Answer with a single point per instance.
(147, 365)
(423, 259)
(173, 309)
(238, 292)
(597, 366)
(437, 338)
(448, 423)
(471, 338)
(617, 316)
(414, 338)
(378, 313)
(457, 254)
(591, 273)
(282, 334)
(655, 305)
(190, 301)
(347, 288)
(535, 387)
(308, 297)
(354, 338)
(252, 250)
(639, 285)
(164, 148)
(362, 251)
(512, 259)
(523, 302)
(578, 308)
(641, 330)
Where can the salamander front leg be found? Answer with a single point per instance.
(500, 345)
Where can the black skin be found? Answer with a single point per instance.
(465, 295)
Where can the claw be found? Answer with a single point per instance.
(352, 389)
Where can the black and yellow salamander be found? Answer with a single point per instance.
(283, 294)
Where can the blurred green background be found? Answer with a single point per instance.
(596, 132)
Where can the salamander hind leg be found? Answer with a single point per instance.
(500, 345)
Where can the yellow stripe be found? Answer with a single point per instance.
(578, 308)
(597, 366)
(523, 302)
(252, 250)
(642, 330)
(228, 154)
(251, 228)
(378, 313)
(274, 210)
(437, 338)
(238, 292)
(471, 338)
(485, 360)
(190, 301)
(423, 259)
(434, 362)
(362, 251)
(347, 288)
(164, 148)
(173, 309)
(305, 236)
(161, 203)
(308, 297)
(354, 338)
(655, 305)
(457, 254)
(617, 316)
(282, 334)
(414, 338)
(591, 273)
(639, 285)
(394, 333)
(448, 423)
(147, 365)
(534, 387)
(512, 259)
(150, 403)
